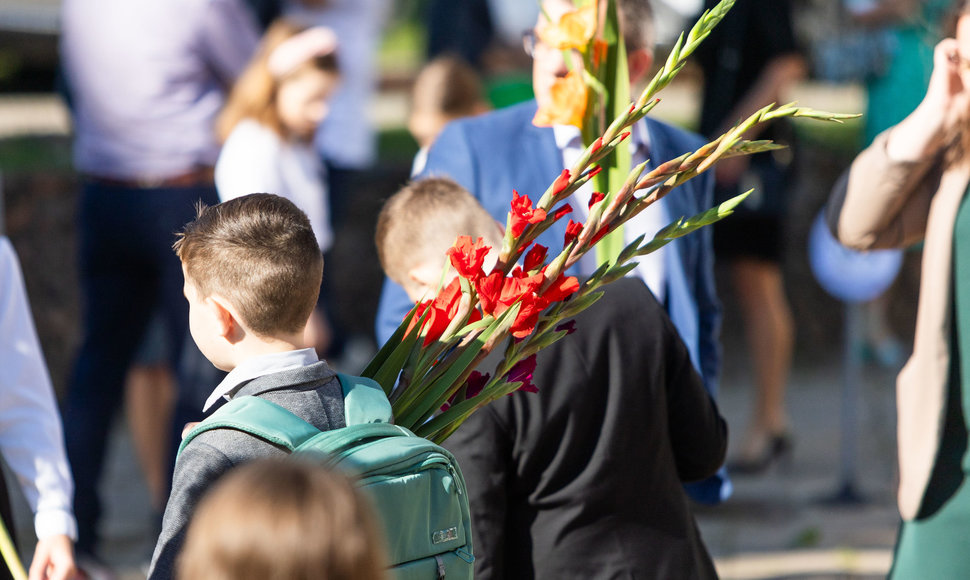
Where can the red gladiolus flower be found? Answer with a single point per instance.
(523, 213)
(468, 257)
(530, 307)
(561, 183)
(563, 210)
(595, 199)
(443, 310)
(535, 257)
(489, 290)
(597, 145)
(522, 373)
(560, 289)
(517, 286)
(573, 230)
(498, 294)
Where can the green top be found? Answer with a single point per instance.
(934, 545)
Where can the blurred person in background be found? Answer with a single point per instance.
(347, 138)
(915, 27)
(910, 185)
(447, 88)
(749, 61)
(31, 438)
(146, 81)
(267, 128)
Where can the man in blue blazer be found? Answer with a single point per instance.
(492, 154)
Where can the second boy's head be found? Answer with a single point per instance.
(419, 223)
(252, 275)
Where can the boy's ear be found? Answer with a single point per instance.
(422, 280)
(226, 318)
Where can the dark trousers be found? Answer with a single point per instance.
(127, 271)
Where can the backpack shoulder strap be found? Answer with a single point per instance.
(259, 418)
(364, 400)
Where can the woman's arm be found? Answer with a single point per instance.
(892, 182)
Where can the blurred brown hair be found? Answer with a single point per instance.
(421, 221)
(254, 94)
(958, 140)
(447, 88)
(259, 252)
(283, 519)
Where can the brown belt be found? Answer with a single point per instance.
(194, 178)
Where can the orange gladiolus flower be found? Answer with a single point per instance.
(568, 105)
(573, 31)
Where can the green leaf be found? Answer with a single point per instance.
(388, 362)
(457, 366)
(577, 305)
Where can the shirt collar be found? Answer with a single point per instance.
(258, 366)
(570, 136)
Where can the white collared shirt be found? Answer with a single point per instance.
(650, 267)
(258, 366)
(31, 437)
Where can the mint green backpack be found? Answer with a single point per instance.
(415, 485)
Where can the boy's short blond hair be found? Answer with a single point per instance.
(420, 222)
(259, 252)
(275, 519)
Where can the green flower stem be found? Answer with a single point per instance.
(444, 379)
(682, 50)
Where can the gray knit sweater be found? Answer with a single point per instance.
(312, 392)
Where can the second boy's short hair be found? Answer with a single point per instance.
(422, 220)
(259, 252)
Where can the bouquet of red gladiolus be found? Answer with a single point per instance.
(429, 368)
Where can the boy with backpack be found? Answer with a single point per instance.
(252, 274)
(583, 479)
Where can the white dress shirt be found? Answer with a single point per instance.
(258, 366)
(650, 267)
(31, 437)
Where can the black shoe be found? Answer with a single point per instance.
(778, 448)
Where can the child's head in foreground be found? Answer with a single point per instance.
(252, 273)
(283, 519)
(419, 223)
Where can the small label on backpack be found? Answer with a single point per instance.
(444, 535)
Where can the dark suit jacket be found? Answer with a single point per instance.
(492, 154)
(584, 479)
